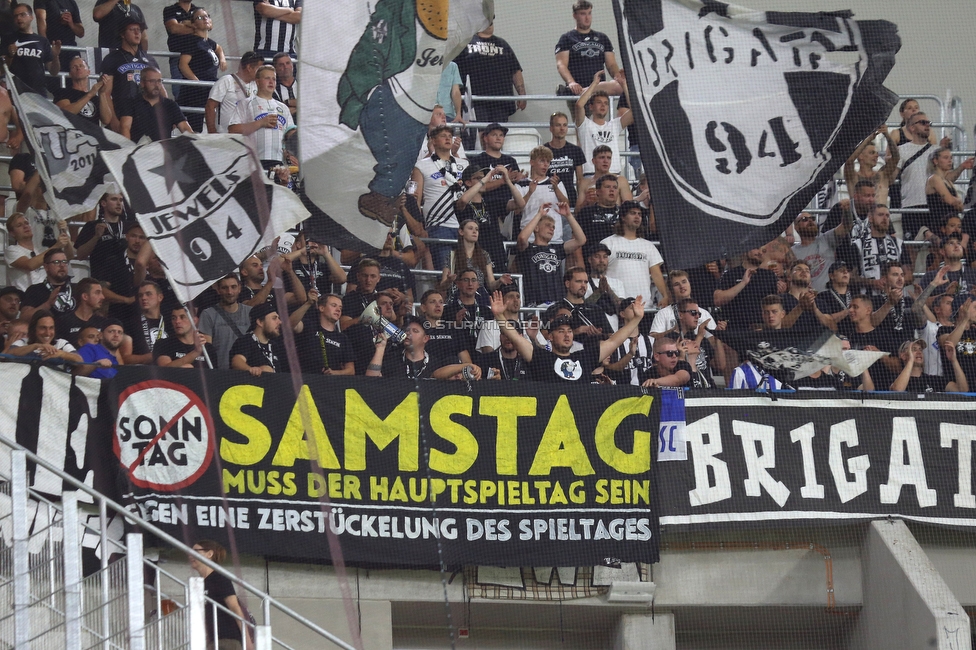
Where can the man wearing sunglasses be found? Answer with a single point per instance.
(819, 250)
(669, 370)
(666, 320)
(914, 172)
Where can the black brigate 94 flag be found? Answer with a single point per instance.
(742, 116)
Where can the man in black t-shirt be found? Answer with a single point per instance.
(496, 191)
(539, 262)
(865, 336)
(323, 349)
(29, 54)
(102, 240)
(118, 273)
(505, 363)
(589, 320)
(962, 337)
(112, 17)
(490, 67)
(60, 20)
(560, 364)
(582, 52)
(741, 290)
(567, 158)
(362, 336)
(90, 299)
(81, 98)
(254, 351)
(416, 362)
(446, 338)
(185, 348)
(126, 63)
(56, 294)
(178, 21)
(150, 114)
(354, 302)
(895, 308)
(598, 220)
(145, 328)
(468, 309)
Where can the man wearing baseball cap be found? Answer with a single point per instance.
(560, 364)
(836, 298)
(254, 351)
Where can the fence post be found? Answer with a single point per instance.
(22, 586)
(135, 591)
(198, 624)
(72, 570)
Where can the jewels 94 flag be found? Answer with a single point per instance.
(65, 150)
(742, 115)
(205, 204)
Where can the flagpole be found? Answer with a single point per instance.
(193, 323)
(29, 134)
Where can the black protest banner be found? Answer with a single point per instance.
(751, 459)
(412, 474)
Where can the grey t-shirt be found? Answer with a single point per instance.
(223, 335)
(818, 255)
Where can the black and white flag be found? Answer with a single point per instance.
(742, 115)
(65, 148)
(205, 204)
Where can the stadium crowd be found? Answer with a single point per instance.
(608, 309)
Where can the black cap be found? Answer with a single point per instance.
(559, 321)
(259, 312)
(839, 264)
(624, 304)
(108, 322)
(410, 319)
(494, 126)
(129, 20)
(627, 206)
(509, 288)
(601, 247)
(6, 291)
(471, 170)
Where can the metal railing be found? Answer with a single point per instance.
(92, 608)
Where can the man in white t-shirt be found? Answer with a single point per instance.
(634, 260)
(599, 128)
(264, 119)
(666, 319)
(539, 189)
(25, 262)
(230, 90)
(914, 173)
(439, 118)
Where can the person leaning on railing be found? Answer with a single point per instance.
(229, 629)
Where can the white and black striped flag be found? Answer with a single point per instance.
(65, 148)
(205, 204)
(742, 115)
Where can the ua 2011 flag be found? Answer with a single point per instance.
(742, 115)
(205, 205)
(65, 148)
(370, 73)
